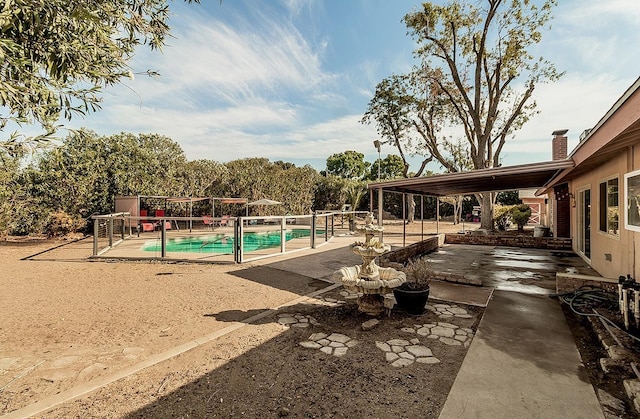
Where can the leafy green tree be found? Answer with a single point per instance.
(258, 178)
(391, 167)
(58, 55)
(348, 164)
(85, 173)
(472, 55)
(329, 193)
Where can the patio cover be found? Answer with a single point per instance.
(525, 176)
(264, 202)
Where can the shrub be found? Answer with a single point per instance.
(419, 274)
(501, 216)
(520, 215)
(61, 224)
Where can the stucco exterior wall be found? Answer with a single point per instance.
(611, 255)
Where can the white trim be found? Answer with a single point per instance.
(626, 201)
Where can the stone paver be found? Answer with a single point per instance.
(335, 344)
(296, 320)
(401, 352)
(447, 333)
(447, 311)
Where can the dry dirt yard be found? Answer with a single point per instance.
(107, 332)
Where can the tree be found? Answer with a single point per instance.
(258, 178)
(391, 167)
(87, 171)
(58, 55)
(476, 75)
(348, 165)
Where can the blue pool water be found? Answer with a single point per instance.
(223, 243)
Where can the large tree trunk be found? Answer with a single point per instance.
(486, 206)
(411, 208)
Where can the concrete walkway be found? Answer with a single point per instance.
(523, 362)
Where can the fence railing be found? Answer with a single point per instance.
(214, 239)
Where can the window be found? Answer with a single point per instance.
(632, 193)
(609, 209)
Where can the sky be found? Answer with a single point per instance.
(291, 79)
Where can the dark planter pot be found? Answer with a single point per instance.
(411, 301)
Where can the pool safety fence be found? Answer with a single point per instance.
(213, 239)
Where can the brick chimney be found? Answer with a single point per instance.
(559, 145)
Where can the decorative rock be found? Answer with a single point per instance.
(446, 332)
(337, 337)
(317, 336)
(311, 345)
(423, 331)
(443, 331)
(390, 356)
(428, 360)
(340, 351)
(450, 342)
(446, 311)
(401, 353)
(370, 324)
(327, 350)
(296, 320)
(335, 344)
(401, 342)
(406, 355)
(402, 362)
(383, 346)
(419, 351)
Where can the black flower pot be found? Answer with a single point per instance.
(413, 301)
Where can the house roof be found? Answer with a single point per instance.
(618, 129)
(508, 178)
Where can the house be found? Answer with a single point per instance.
(596, 202)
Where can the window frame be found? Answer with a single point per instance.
(604, 206)
(630, 204)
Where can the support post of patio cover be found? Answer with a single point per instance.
(404, 219)
(422, 217)
(438, 215)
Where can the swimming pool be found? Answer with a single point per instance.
(223, 243)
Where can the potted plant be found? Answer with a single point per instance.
(412, 296)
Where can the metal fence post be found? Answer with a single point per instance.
(313, 230)
(283, 235)
(163, 239)
(237, 239)
(110, 231)
(96, 231)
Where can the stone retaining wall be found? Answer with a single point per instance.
(523, 241)
(412, 251)
(568, 282)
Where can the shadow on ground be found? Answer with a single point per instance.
(281, 378)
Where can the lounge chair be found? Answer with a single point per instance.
(145, 225)
(208, 221)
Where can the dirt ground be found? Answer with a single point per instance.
(150, 339)
(71, 327)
